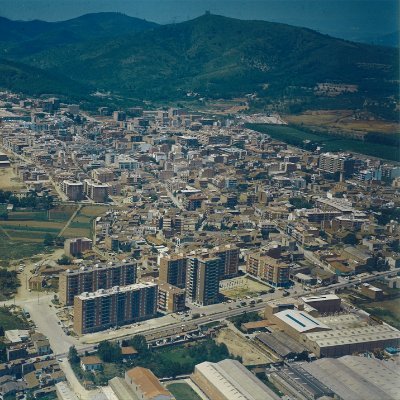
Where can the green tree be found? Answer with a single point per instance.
(3, 353)
(350, 238)
(48, 240)
(73, 356)
(299, 202)
(109, 352)
(64, 260)
(139, 342)
(59, 240)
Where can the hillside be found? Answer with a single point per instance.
(26, 79)
(224, 57)
(25, 38)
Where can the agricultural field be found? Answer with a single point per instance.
(81, 224)
(8, 180)
(329, 142)
(22, 234)
(32, 226)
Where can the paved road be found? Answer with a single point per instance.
(73, 381)
(46, 321)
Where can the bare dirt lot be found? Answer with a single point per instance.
(240, 287)
(239, 346)
(8, 180)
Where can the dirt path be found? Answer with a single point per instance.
(70, 220)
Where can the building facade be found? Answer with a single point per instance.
(202, 280)
(76, 246)
(269, 269)
(229, 264)
(114, 307)
(91, 279)
(173, 270)
(73, 190)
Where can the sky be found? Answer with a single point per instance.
(350, 19)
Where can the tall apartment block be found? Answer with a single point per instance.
(333, 163)
(202, 280)
(74, 247)
(102, 175)
(269, 269)
(73, 190)
(113, 307)
(170, 298)
(98, 192)
(90, 279)
(173, 270)
(229, 264)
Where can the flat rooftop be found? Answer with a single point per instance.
(325, 297)
(235, 381)
(357, 378)
(115, 289)
(353, 335)
(300, 320)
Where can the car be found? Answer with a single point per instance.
(60, 360)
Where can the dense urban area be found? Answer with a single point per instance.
(165, 253)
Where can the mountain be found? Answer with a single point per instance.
(24, 78)
(221, 57)
(21, 38)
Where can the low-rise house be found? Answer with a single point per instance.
(91, 363)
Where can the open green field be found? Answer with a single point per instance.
(22, 234)
(15, 249)
(386, 310)
(296, 137)
(182, 391)
(32, 226)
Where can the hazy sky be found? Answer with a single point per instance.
(347, 18)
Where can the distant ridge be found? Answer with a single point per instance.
(210, 55)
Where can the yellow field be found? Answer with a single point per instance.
(94, 211)
(341, 120)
